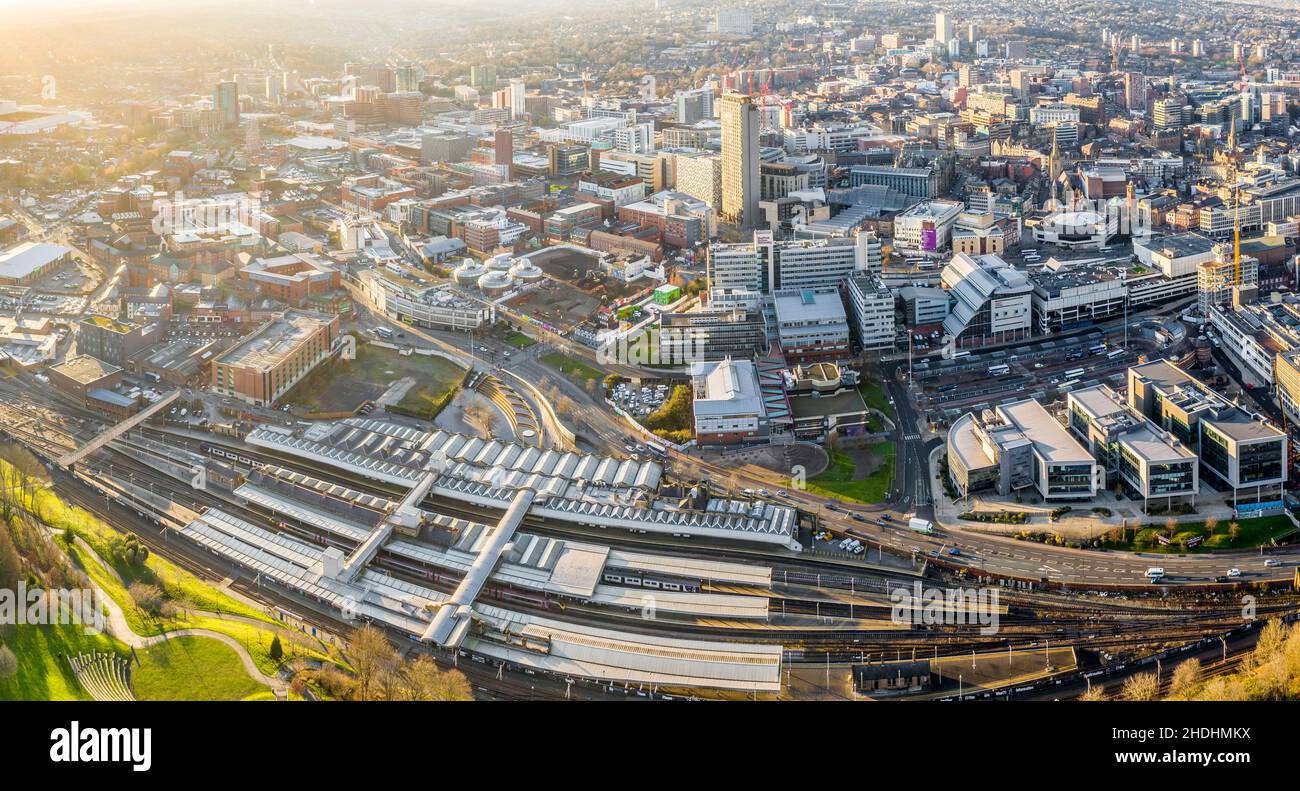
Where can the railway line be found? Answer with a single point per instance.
(1031, 620)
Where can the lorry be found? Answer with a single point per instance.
(920, 525)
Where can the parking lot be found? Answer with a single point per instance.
(639, 402)
(1043, 371)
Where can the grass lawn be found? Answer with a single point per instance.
(520, 340)
(192, 668)
(874, 394)
(177, 583)
(575, 369)
(338, 386)
(1251, 533)
(837, 479)
(43, 670)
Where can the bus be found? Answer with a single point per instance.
(657, 449)
(999, 370)
(1068, 385)
(1098, 350)
(959, 355)
(384, 332)
(1115, 354)
(1073, 373)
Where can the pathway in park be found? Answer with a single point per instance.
(121, 629)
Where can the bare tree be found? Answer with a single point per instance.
(8, 662)
(1186, 678)
(370, 654)
(1142, 686)
(477, 414)
(1094, 693)
(146, 597)
(27, 473)
(426, 682)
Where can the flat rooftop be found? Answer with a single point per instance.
(845, 403)
(274, 341)
(1155, 446)
(1099, 401)
(808, 304)
(1052, 441)
(23, 259)
(85, 369)
(109, 324)
(1180, 245)
(1240, 425)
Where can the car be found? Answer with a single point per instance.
(1234, 572)
(764, 493)
(954, 552)
(781, 493)
(1038, 365)
(1272, 562)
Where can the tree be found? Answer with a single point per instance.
(1186, 678)
(477, 414)
(370, 655)
(1094, 693)
(26, 471)
(148, 598)
(1234, 530)
(11, 565)
(1142, 686)
(1171, 527)
(1211, 524)
(424, 681)
(276, 651)
(8, 662)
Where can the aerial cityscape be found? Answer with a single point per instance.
(649, 350)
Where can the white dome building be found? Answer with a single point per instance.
(495, 282)
(526, 271)
(468, 272)
(1077, 230)
(500, 263)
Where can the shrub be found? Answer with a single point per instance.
(148, 598)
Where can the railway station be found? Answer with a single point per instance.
(484, 630)
(534, 569)
(569, 487)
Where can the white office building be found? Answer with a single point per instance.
(872, 307)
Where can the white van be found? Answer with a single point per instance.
(1155, 573)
